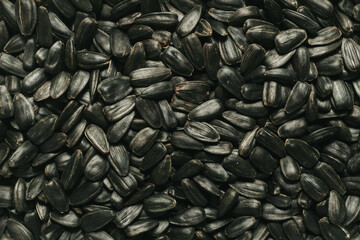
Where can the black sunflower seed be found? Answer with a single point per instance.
(175, 60)
(7, 10)
(226, 203)
(289, 40)
(256, 189)
(189, 21)
(84, 192)
(56, 195)
(26, 17)
(17, 230)
(95, 220)
(159, 203)
(10, 64)
(140, 227)
(314, 187)
(97, 137)
(188, 217)
(126, 215)
(302, 152)
(263, 160)
(239, 226)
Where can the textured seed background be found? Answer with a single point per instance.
(180, 119)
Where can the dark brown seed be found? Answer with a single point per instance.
(211, 59)
(54, 143)
(20, 203)
(248, 142)
(325, 36)
(162, 20)
(220, 15)
(351, 209)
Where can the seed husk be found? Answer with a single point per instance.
(97, 137)
(95, 220)
(55, 194)
(188, 217)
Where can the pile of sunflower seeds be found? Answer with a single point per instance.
(180, 119)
